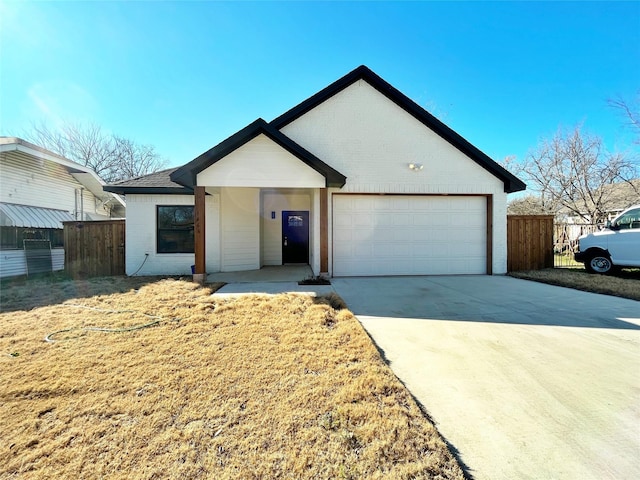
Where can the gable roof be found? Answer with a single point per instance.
(157, 182)
(511, 182)
(186, 175)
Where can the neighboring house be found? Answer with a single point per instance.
(617, 197)
(38, 191)
(612, 199)
(356, 180)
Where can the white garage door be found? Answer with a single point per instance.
(409, 235)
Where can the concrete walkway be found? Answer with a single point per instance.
(525, 380)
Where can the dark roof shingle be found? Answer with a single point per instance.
(157, 182)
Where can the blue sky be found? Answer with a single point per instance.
(183, 76)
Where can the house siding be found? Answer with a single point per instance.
(14, 262)
(141, 236)
(240, 229)
(371, 140)
(25, 180)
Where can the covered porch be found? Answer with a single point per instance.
(246, 228)
(260, 200)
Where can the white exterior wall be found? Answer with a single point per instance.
(141, 236)
(239, 229)
(499, 250)
(25, 180)
(260, 163)
(273, 201)
(371, 140)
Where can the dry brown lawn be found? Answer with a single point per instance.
(258, 387)
(624, 284)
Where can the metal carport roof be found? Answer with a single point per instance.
(12, 215)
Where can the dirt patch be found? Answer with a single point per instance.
(625, 284)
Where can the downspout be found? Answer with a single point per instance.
(82, 204)
(75, 204)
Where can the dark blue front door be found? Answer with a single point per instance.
(295, 237)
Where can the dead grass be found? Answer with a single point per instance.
(257, 387)
(625, 284)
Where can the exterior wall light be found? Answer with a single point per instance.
(416, 167)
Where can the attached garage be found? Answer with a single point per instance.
(409, 234)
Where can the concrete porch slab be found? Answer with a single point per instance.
(268, 280)
(278, 273)
(271, 288)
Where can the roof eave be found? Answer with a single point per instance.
(511, 183)
(515, 185)
(187, 174)
(148, 190)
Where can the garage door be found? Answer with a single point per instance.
(409, 235)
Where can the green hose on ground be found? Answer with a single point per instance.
(157, 321)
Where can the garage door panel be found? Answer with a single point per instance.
(400, 203)
(474, 251)
(408, 235)
(362, 203)
(383, 250)
(341, 237)
(362, 235)
(342, 219)
(386, 219)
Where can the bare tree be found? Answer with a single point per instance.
(631, 112)
(574, 174)
(111, 156)
(529, 205)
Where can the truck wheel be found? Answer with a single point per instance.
(599, 263)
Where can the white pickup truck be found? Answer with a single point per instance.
(617, 245)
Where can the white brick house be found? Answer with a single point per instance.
(356, 180)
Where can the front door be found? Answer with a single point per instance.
(295, 237)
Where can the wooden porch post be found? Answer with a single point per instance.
(199, 236)
(489, 234)
(324, 231)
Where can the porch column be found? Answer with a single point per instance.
(199, 235)
(324, 231)
(489, 234)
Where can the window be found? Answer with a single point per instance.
(295, 221)
(175, 229)
(12, 237)
(631, 219)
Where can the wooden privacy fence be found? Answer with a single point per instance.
(529, 242)
(93, 249)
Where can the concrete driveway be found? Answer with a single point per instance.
(524, 380)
